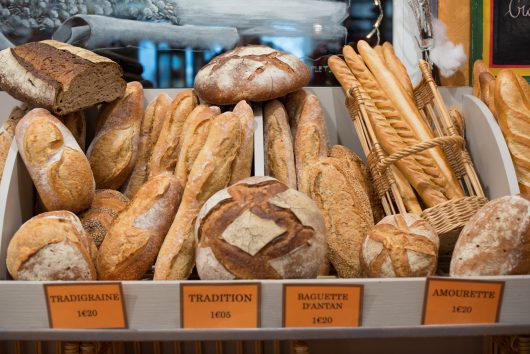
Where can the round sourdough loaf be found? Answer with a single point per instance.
(259, 229)
(402, 245)
(252, 73)
(496, 240)
(51, 246)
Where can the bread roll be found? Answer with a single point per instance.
(114, 150)
(278, 144)
(410, 114)
(484, 80)
(7, 133)
(243, 163)
(76, 124)
(402, 245)
(59, 77)
(288, 238)
(252, 73)
(311, 140)
(195, 132)
(150, 130)
(478, 68)
(50, 246)
(513, 116)
(347, 214)
(135, 237)
(167, 147)
(59, 169)
(397, 68)
(106, 206)
(496, 240)
(210, 173)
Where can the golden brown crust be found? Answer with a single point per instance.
(278, 144)
(525, 87)
(398, 69)
(166, 150)
(484, 80)
(341, 72)
(114, 150)
(150, 130)
(7, 133)
(294, 103)
(210, 173)
(243, 163)
(135, 237)
(75, 122)
(478, 67)
(491, 101)
(406, 191)
(458, 121)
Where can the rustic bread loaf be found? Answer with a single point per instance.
(51, 246)
(243, 163)
(478, 68)
(252, 73)
(402, 245)
(59, 77)
(346, 209)
(114, 150)
(152, 121)
(7, 133)
(294, 104)
(57, 165)
(513, 113)
(106, 206)
(278, 144)
(167, 148)
(194, 134)
(496, 240)
(76, 124)
(210, 173)
(135, 237)
(259, 229)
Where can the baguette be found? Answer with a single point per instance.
(513, 117)
(294, 103)
(194, 135)
(210, 173)
(150, 130)
(135, 237)
(243, 163)
(491, 100)
(167, 148)
(485, 80)
(408, 111)
(398, 69)
(57, 165)
(279, 153)
(7, 133)
(407, 193)
(478, 68)
(76, 123)
(114, 149)
(379, 50)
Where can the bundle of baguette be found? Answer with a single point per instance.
(508, 97)
(425, 179)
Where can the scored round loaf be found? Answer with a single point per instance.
(106, 206)
(252, 73)
(51, 246)
(259, 229)
(496, 240)
(402, 245)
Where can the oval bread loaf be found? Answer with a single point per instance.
(51, 246)
(57, 165)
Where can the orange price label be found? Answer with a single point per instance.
(220, 305)
(86, 305)
(461, 301)
(322, 305)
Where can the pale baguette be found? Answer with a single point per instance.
(398, 69)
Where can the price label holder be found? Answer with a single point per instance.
(85, 305)
(220, 305)
(316, 305)
(461, 301)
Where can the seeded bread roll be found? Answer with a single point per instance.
(59, 77)
(243, 162)
(7, 133)
(57, 165)
(402, 245)
(114, 150)
(76, 124)
(253, 73)
(496, 240)
(279, 154)
(106, 206)
(150, 130)
(50, 246)
(288, 241)
(345, 206)
(167, 148)
(210, 173)
(135, 237)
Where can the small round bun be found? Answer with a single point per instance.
(259, 229)
(252, 73)
(402, 245)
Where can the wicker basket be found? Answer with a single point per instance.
(508, 345)
(448, 217)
